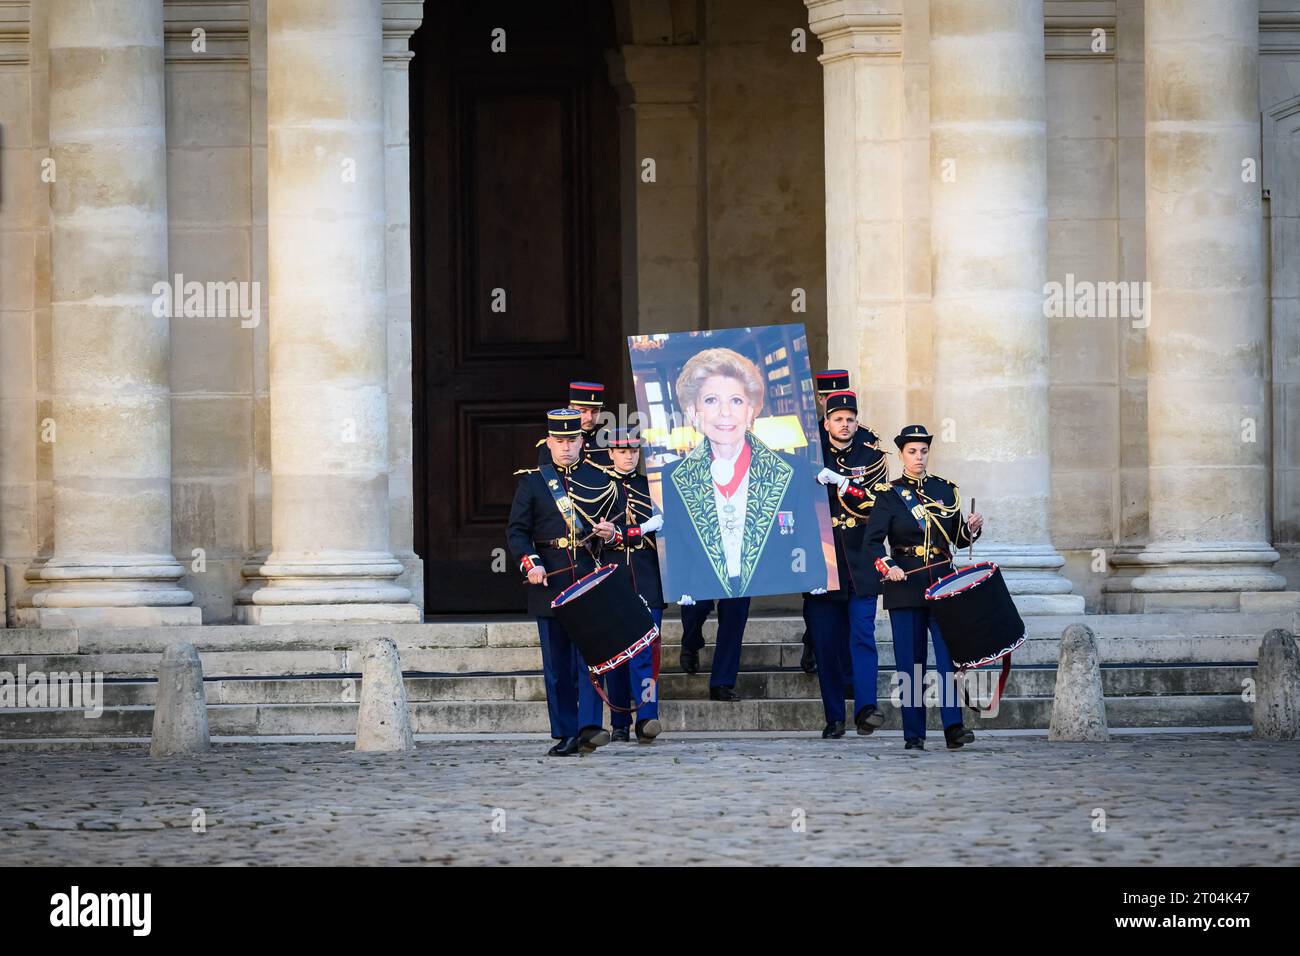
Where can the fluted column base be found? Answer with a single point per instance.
(1210, 576)
(137, 590)
(1033, 577)
(334, 587)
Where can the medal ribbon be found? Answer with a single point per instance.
(742, 466)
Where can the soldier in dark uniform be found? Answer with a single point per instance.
(587, 399)
(828, 381)
(563, 510)
(920, 516)
(636, 683)
(844, 621)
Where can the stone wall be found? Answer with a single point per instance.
(763, 156)
(753, 118)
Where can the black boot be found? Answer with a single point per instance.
(593, 737)
(648, 729)
(619, 735)
(833, 731)
(957, 736)
(916, 743)
(868, 720)
(566, 747)
(723, 693)
(689, 660)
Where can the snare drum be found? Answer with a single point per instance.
(609, 622)
(975, 613)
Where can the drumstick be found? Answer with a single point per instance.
(937, 564)
(970, 545)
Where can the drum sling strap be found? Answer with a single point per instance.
(572, 520)
(997, 694)
(562, 501)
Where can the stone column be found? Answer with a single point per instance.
(1208, 354)
(110, 429)
(988, 156)
(866, 240)
(330, 557)
(663, 241)
(401, 19)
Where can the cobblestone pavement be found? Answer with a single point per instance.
(1167, 799)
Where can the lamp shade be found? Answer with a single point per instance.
(780, 431)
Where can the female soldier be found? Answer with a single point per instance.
(920, 516)
(635, 683)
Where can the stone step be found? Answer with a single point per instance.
(522, 633)
(514, 716)
(769, 685)
(757, 655)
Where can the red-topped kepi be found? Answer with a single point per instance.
(586, 393)
(831, 380)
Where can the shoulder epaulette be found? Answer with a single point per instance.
(881, 486)
(540, 443)
(526, 471)
(944, 480)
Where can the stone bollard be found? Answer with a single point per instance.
(180, 715)
(1277, 687)
(1078, 706)
(383, 718)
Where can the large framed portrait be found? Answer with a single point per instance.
(729, 421)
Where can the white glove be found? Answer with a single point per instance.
(817, 591)
(685, 599)
(653, 523)
(829, 477)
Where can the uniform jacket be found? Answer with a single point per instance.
(867, 467)
(637, 550)
(779, 517)
(941, 528)
(534, 517)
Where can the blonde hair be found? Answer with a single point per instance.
(723, 362)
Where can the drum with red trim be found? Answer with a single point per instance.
(975, 614)
(606, 618)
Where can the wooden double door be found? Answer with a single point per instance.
(515, 257)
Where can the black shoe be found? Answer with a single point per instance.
(916, 743)
(689, 660)
(648, 729)
(619, 735)
(723, 693)
(957, 736)
(868, 720)
(593, 737)
(566, 747)
(808, 662)
(833, 731)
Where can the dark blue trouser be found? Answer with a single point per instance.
(909, 625)
(637, 675)
(840, 630)
(732, 615)
(562, 668)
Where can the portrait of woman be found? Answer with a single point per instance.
(741, 516)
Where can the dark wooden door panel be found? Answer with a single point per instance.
(514, 188)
